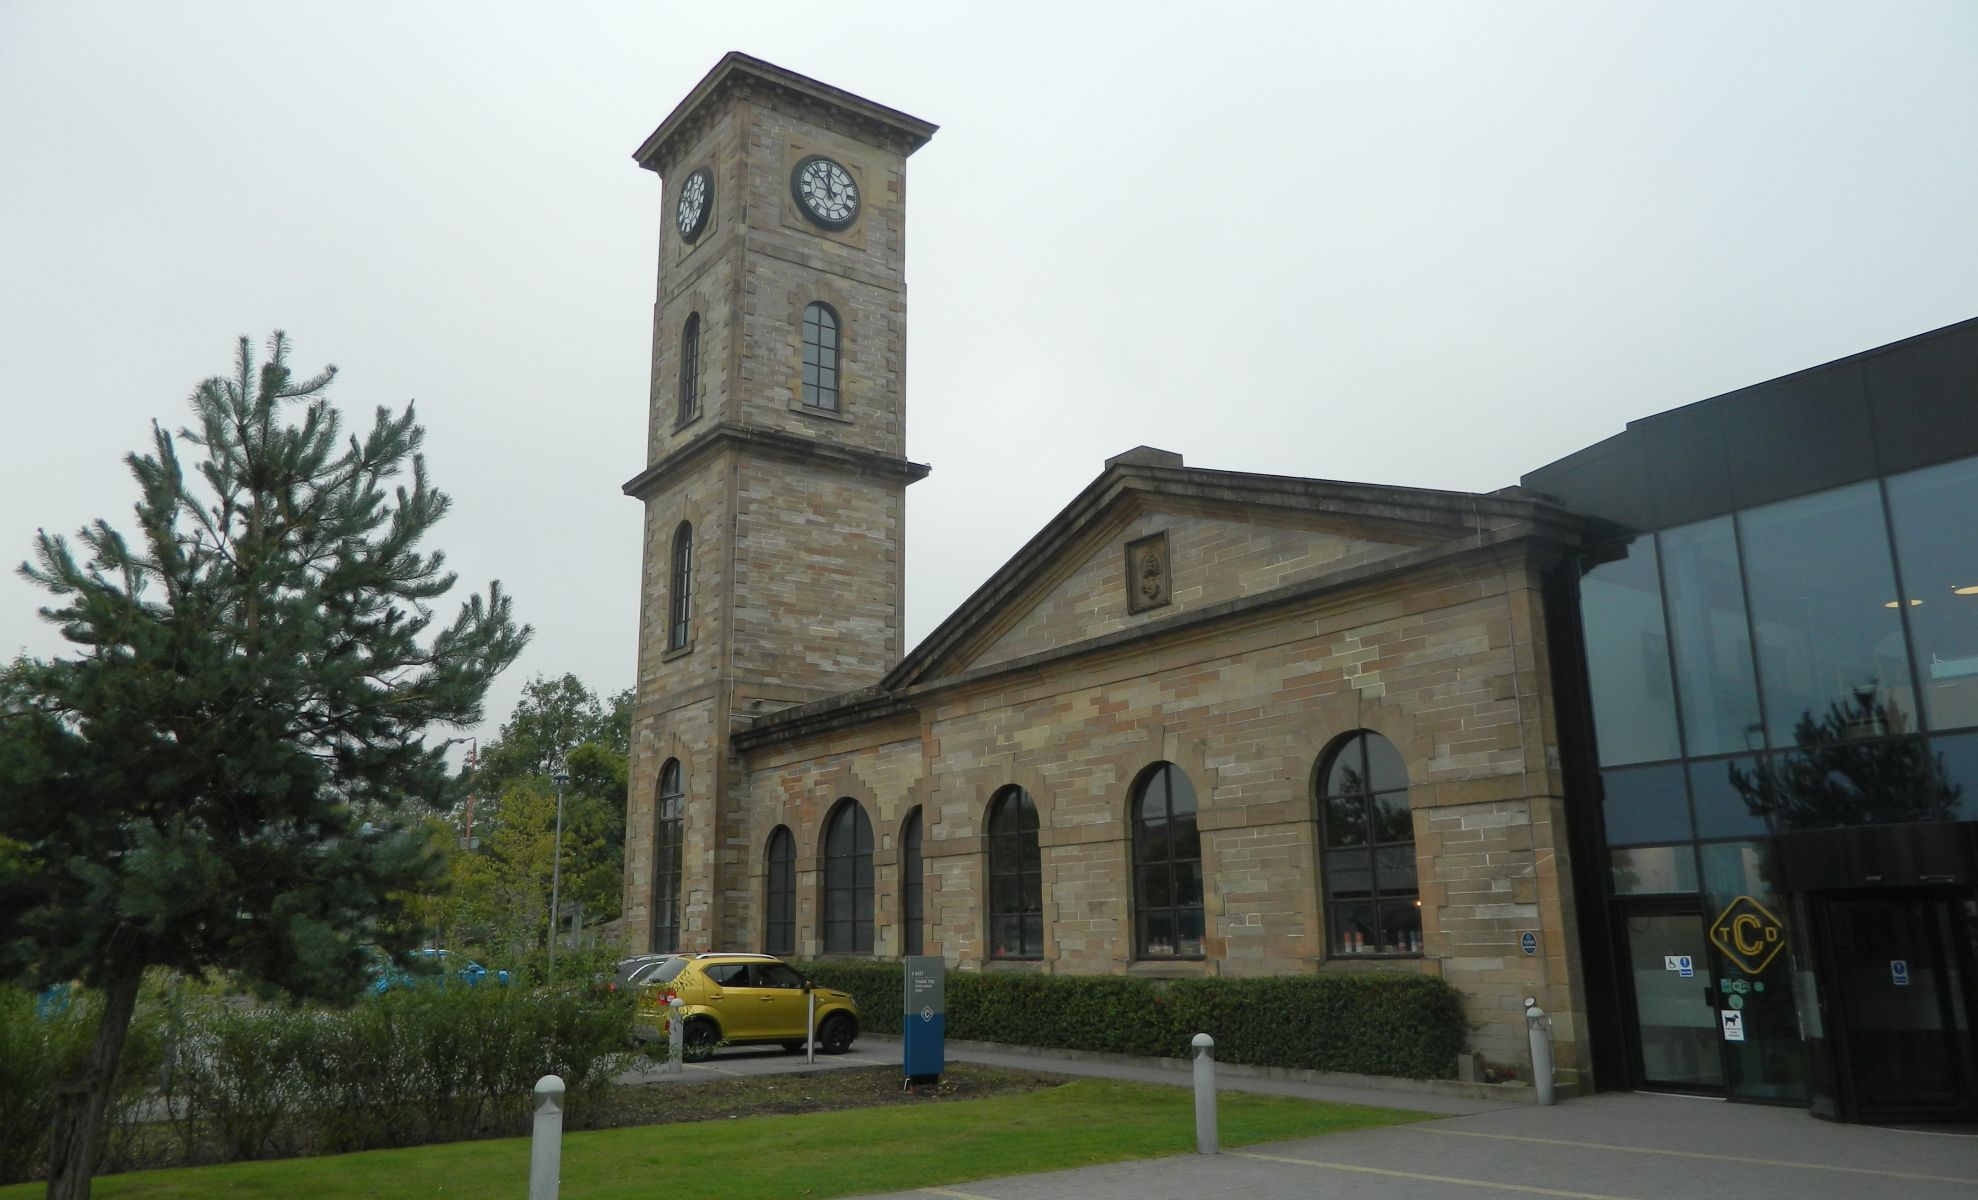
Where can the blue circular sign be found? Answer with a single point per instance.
(1529, 941)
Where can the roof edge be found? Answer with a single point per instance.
(736, 65)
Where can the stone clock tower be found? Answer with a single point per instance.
(776, 472)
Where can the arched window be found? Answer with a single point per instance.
(821, 357)
(681, 609)
(910, 868)
(1368, 835)
(1167, 866)
(847, 880)
(690, 369)
(667, 843)
(1016, 877)
(779, 900)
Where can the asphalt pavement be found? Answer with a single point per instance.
(1616, 1146)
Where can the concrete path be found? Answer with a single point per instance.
(1621, 1146)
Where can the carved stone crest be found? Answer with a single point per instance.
(1148, 580)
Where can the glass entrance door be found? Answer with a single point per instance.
(1901, 983)
(1674, 1036)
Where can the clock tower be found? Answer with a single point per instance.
(775, 478)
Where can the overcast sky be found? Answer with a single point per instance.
(1427, 244)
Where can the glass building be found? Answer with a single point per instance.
(1773, 758)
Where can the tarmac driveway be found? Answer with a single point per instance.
(1610, 1147)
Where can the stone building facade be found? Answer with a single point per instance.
(1205, 722)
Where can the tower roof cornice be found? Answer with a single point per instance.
(737, 70)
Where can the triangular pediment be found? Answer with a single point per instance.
(1150, 542)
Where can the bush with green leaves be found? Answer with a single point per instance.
(1411, 1026)
(232, 1078)
(411, 1066)
(42, 1043)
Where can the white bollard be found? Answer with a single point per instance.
(1205, 1093)
(1538, 1027)
(546, 1150)
(810, 1023)
(676, 1038)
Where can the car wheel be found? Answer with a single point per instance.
(697, 1040)
(836, 1034)
(794, 1045)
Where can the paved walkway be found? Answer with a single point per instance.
(1619, 1146)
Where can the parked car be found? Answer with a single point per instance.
(743, 999)
(633, 971)
(429, 967)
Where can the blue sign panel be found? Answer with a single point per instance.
(1528, 942)
(924, 1025)
(1899, 972)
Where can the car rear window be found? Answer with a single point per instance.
(667, 971)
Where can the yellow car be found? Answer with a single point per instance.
(742, 999)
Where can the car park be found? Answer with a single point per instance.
(743, 999)
(432, 968)
(633, 971)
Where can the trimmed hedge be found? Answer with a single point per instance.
(1411, 1026)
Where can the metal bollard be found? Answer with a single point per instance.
(810, 1023)
(1205, 1093)
(1538, 1027)
(676, 1037)
(546, 1149)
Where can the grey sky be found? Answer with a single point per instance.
(1431, 244)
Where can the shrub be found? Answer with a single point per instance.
(1387, 1024)
(405, 1068)
(44, 1043)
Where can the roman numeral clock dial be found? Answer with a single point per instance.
(825, 192)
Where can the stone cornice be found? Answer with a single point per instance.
(774, 443)
(738, 71)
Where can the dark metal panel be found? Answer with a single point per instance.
(1915, 854)
(1689, 466)
(1904, 405)
(1804, 434)
(1923, 399)
(1608, 480)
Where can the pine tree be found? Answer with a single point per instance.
(219, 776)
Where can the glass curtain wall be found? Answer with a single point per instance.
(1806, 664)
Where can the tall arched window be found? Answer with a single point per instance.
(1368, 835)
(1016, 877)
(910, 868)
(690, 369)
(667, 843)
(680, 610)
(1167, 865)
(821, 357)
(847, 880)
(779, 900)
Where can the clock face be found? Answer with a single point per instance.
(825, 191)
(696, 198)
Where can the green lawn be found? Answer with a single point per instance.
(816, 1155)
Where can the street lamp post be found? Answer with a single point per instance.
(559, 777)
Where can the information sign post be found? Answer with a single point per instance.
(924, 1023)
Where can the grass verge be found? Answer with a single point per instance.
(813, 1156)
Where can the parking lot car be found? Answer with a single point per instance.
(631, 972)
(428, 968)
(743, 999)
